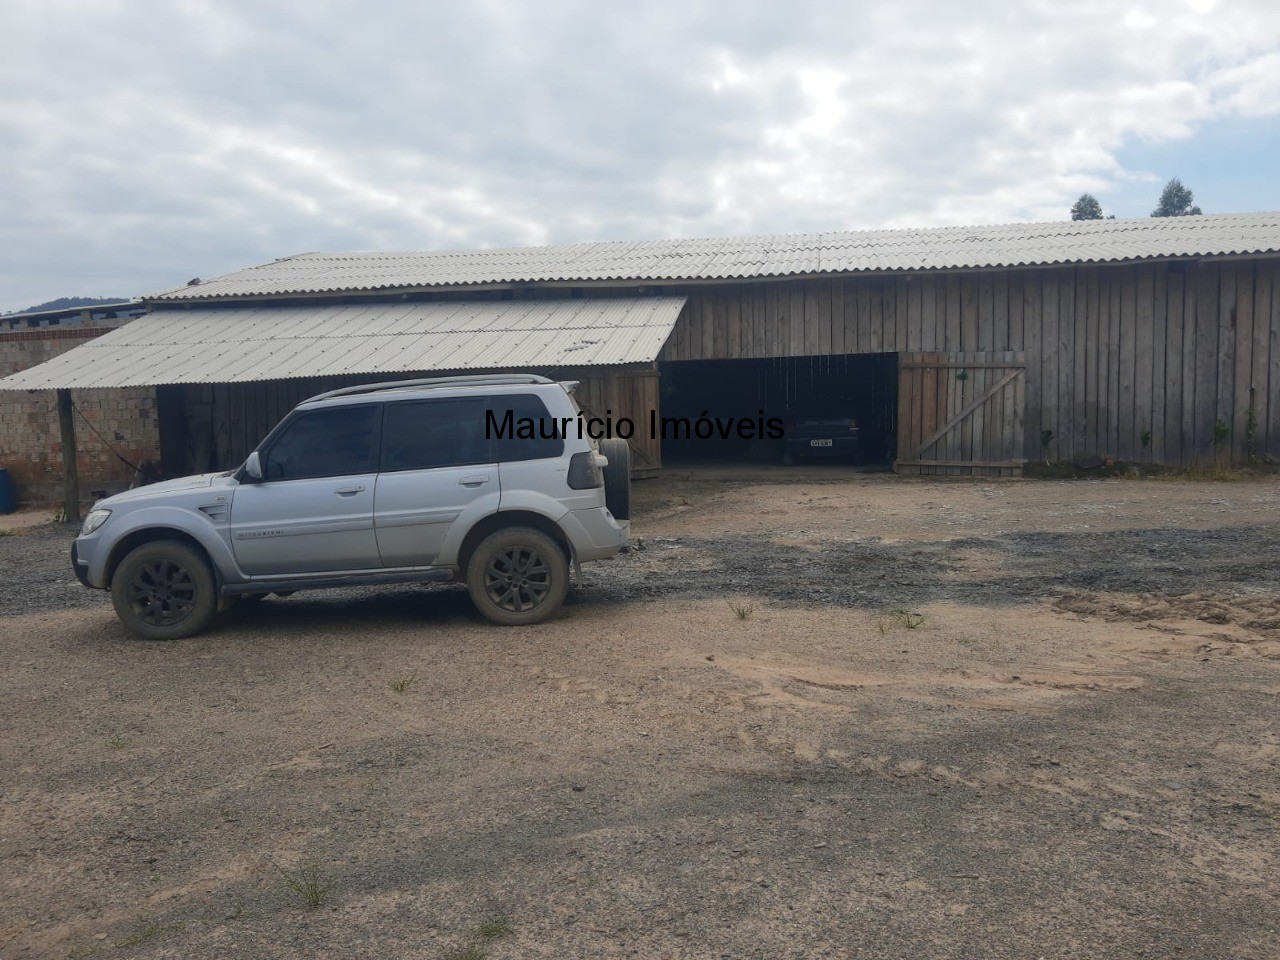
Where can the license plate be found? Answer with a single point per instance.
(819, 443)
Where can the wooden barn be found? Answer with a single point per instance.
(963, 350)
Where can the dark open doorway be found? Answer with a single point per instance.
(801, 392)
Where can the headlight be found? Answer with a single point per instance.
(93, 521)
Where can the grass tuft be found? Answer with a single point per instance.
(404, 683)
(308, 883)
(908, 618)
(742, 611)
(1207, 475)
(486, 932)
(494, 928)
(901, 616)
(147, 930)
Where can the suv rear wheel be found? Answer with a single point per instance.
(518, 576)
(164, 590)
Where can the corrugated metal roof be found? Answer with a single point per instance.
(118, 306)
(653, 261)
(235, 345)
(103, 313)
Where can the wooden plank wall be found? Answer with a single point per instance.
(631, 393)
(1136, 361)
(216, 426)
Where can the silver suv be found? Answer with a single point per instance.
(491, 480)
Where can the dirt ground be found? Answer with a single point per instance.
(804, 717)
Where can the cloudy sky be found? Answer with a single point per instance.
(145, 143)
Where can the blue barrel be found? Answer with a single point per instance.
(7, 503)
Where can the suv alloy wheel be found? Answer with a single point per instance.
(164, 590)
(518, 576)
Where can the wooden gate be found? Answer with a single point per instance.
(961, 413)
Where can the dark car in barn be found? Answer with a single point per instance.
(823, 438)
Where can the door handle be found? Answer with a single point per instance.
(474, 481)
(348, 491)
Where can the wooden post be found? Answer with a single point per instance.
(70, 472)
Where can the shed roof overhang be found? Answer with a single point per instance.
(245, 344)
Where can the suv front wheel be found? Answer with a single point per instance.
(518, 576)
(164, 590)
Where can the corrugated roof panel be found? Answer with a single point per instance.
(239, 344)
(656, 261)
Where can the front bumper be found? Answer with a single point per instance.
(81, 567)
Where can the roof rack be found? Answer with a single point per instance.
(480, 380)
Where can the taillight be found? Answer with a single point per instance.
(583, 472)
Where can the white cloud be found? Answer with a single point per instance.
(148, 142)
(1251, 88)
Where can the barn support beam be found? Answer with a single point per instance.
(70, 470)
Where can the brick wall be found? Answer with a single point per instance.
(30, 443)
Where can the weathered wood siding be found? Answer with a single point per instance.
(1136, 361)
(215, 427)
(623, 392)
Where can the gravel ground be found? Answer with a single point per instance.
(954, 720)
(38, 574)
(867, 573)
(1019, 567)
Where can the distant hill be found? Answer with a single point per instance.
(66, 303)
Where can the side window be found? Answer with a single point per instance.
(421, 434)
(524, 428)
(325, 443)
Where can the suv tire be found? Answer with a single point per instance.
(518, 576)
(164, 590)
(617, 478)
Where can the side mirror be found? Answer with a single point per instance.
(253, 467)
